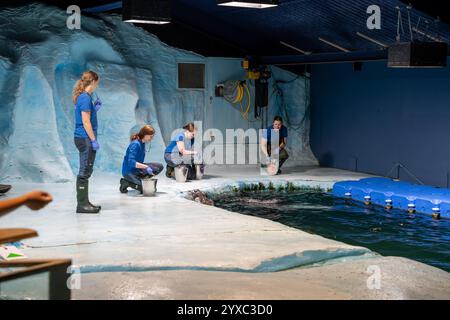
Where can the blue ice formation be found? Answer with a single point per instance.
(40, 60)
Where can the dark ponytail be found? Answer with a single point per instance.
(146, 130)
(190, 127)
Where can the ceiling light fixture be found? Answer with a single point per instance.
(255, 4)
(147, 21)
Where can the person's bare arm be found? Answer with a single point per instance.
(34, 200)
(86, 117)
(263, 146)
(183, 150)
(141, 165)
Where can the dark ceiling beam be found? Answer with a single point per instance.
(433, 8)
(105, 7)
(320, 58)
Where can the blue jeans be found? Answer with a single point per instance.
(87, 158)
(174, 159)
(136, 177)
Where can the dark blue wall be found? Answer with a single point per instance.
(367, 121)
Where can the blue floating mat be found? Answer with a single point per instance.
(400, 195)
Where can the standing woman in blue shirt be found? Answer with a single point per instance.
(133, 168)
(86, 136)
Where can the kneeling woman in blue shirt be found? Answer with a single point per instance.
(180, 150)
(133, 168)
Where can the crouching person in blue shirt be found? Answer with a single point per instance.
(133, 168)
(180, 151)
(280, 150)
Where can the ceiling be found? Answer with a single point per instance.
(204, 27)
(300, 23)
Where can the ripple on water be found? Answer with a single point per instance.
(390, 233)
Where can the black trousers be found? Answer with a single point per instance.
(282, 155)
(136, 177)
(87, 158)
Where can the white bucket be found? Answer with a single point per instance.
(272, 168)
(181, 173)
(149, 187)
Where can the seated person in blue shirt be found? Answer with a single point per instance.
(180, 150)
(277, 126)
(133, 168)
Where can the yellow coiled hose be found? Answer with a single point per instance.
(235, 92)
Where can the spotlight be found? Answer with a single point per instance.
(144, 11)
(256, 4)
(147, 21)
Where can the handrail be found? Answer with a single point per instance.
(13, 235)
(58, 271)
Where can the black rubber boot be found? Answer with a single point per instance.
(125, 184)
(170, 172)
(84, 206)
(4, 188)
(192, 174)
(95, 206)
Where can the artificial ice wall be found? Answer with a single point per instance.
(40, 60)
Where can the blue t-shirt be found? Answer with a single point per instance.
(84, 103)
(173, 148)
(267, 134)
(135, 153)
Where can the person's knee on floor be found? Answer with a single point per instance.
(170, 172)
(126, 183)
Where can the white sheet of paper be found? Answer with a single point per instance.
(10, 253)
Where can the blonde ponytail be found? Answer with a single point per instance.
(86, 79)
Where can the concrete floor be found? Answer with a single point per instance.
(167, 247)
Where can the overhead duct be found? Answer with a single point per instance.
(415, 54)
(418, 55)
(144, 11)
(256, 4)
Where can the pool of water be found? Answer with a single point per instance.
(389, 233)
